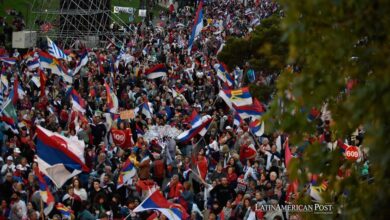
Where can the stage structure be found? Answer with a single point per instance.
(73, 21)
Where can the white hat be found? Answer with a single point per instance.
(17, 150)
(10, 158)
(228, 127)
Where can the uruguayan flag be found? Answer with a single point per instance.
(55, 51)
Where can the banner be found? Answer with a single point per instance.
(128, 10)
(128, 114)
(121, 138)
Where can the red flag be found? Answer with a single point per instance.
(16, 94)
(287, 153)
(42, 80)
(293, 187)
(153, 216)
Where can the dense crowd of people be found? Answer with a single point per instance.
(236, 180)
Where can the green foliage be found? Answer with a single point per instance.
(323, 37)
(263, 92)
(263, 49)
(333, 42)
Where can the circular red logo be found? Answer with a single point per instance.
(119, 137)
(352, 153)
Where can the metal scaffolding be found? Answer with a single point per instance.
(71, 20)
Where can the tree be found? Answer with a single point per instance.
(264, 49)
(342, 47)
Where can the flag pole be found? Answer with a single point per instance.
(41, 211)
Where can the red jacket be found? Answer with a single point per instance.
(175, 190)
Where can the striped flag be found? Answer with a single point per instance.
(247, 111)
(156, 71)
(83, 61)
(9, 116)
(112, 99)
(59, 157)
(156, 201)
(223, 75)
(49, 62)
(55, 51)
(8, 60)
(238, 97)
(126, 174)
(237, 120)
(33, 63)
(257, 127)
(65, 211)
(198, 26)
(44, 191)
(189, 134)
(78, 103)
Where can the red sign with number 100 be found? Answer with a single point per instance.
(352, 153)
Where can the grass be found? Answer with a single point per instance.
(25, 7)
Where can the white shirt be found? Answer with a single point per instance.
(19, 210)
(81, 193)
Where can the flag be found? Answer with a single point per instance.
(139, 130)
(42, 82)
(198, 26)
(239, 97)
(287, 153)
(257, 127)
(186, 174)
(78, 103)
(122, 138)
(33, 63)
(15, 90)
(223, 75)
(189, 134)
(65, 211)
(316, 191)
(49, 62)
(44, 191)
(293, 186)
(156, 201)
(8, 60)
(9, 116)
(55, 51)
(120, 56)
(146, 109)
(206, 128)
(249, 111)
(237, 119)
(60, 158)
(156, 71)
(126, 174)
(9, 124)
(4, 80)
(194, 120)
(83, 61)
(112, 100)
